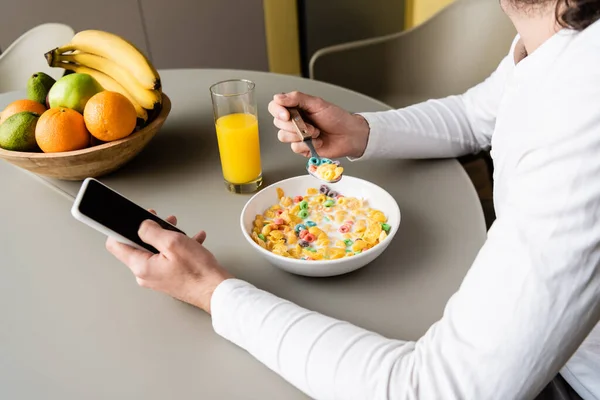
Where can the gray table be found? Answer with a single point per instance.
(74, 325)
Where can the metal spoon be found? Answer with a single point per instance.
(315, 159)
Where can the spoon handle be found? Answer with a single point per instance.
(299, 124)
(302, 130)
(313, 152)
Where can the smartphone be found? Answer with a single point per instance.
(107, 211)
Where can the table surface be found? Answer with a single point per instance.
(75, 325)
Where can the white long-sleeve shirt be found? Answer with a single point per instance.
(532, 295)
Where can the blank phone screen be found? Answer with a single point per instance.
(117, 213)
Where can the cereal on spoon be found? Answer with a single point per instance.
(321, 225)
(325, 169)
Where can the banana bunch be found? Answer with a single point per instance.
(115, 63)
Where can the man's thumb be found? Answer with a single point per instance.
(286, 100)
(301, 100)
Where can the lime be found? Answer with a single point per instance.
(17, 132)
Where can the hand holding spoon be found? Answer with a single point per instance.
(321, 168)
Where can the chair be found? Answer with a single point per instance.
(454, 50)
(25, 56)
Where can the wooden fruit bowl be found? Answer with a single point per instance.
(93, 161)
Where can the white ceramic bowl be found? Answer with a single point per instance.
(350, 187)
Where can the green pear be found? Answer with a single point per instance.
(73, 91)
(38, 86)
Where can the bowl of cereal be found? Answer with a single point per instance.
(307, 228)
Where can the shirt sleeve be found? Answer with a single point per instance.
(450, 127)
(527, 303)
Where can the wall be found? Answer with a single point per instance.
(330, 22)
(224, 33)
(174, 33)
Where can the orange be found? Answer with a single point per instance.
(61, 129)
(22, 105)
(109, 116)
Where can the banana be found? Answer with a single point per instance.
(109, 84)
(145, 97)
(120, 51)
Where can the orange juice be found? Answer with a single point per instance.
(239, 147)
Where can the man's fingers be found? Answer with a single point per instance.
(128, 255)
(153, 234)
(287, 137)
(292, 137)
(200, 237)
(171, 219)
(289, 127)
(302, 148)
(278, 111)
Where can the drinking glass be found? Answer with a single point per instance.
(236, 124)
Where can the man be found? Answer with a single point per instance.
(524, 322)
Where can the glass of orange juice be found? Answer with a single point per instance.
(236, 123)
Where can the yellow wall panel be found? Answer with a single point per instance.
(419, 11)
(283, 42)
